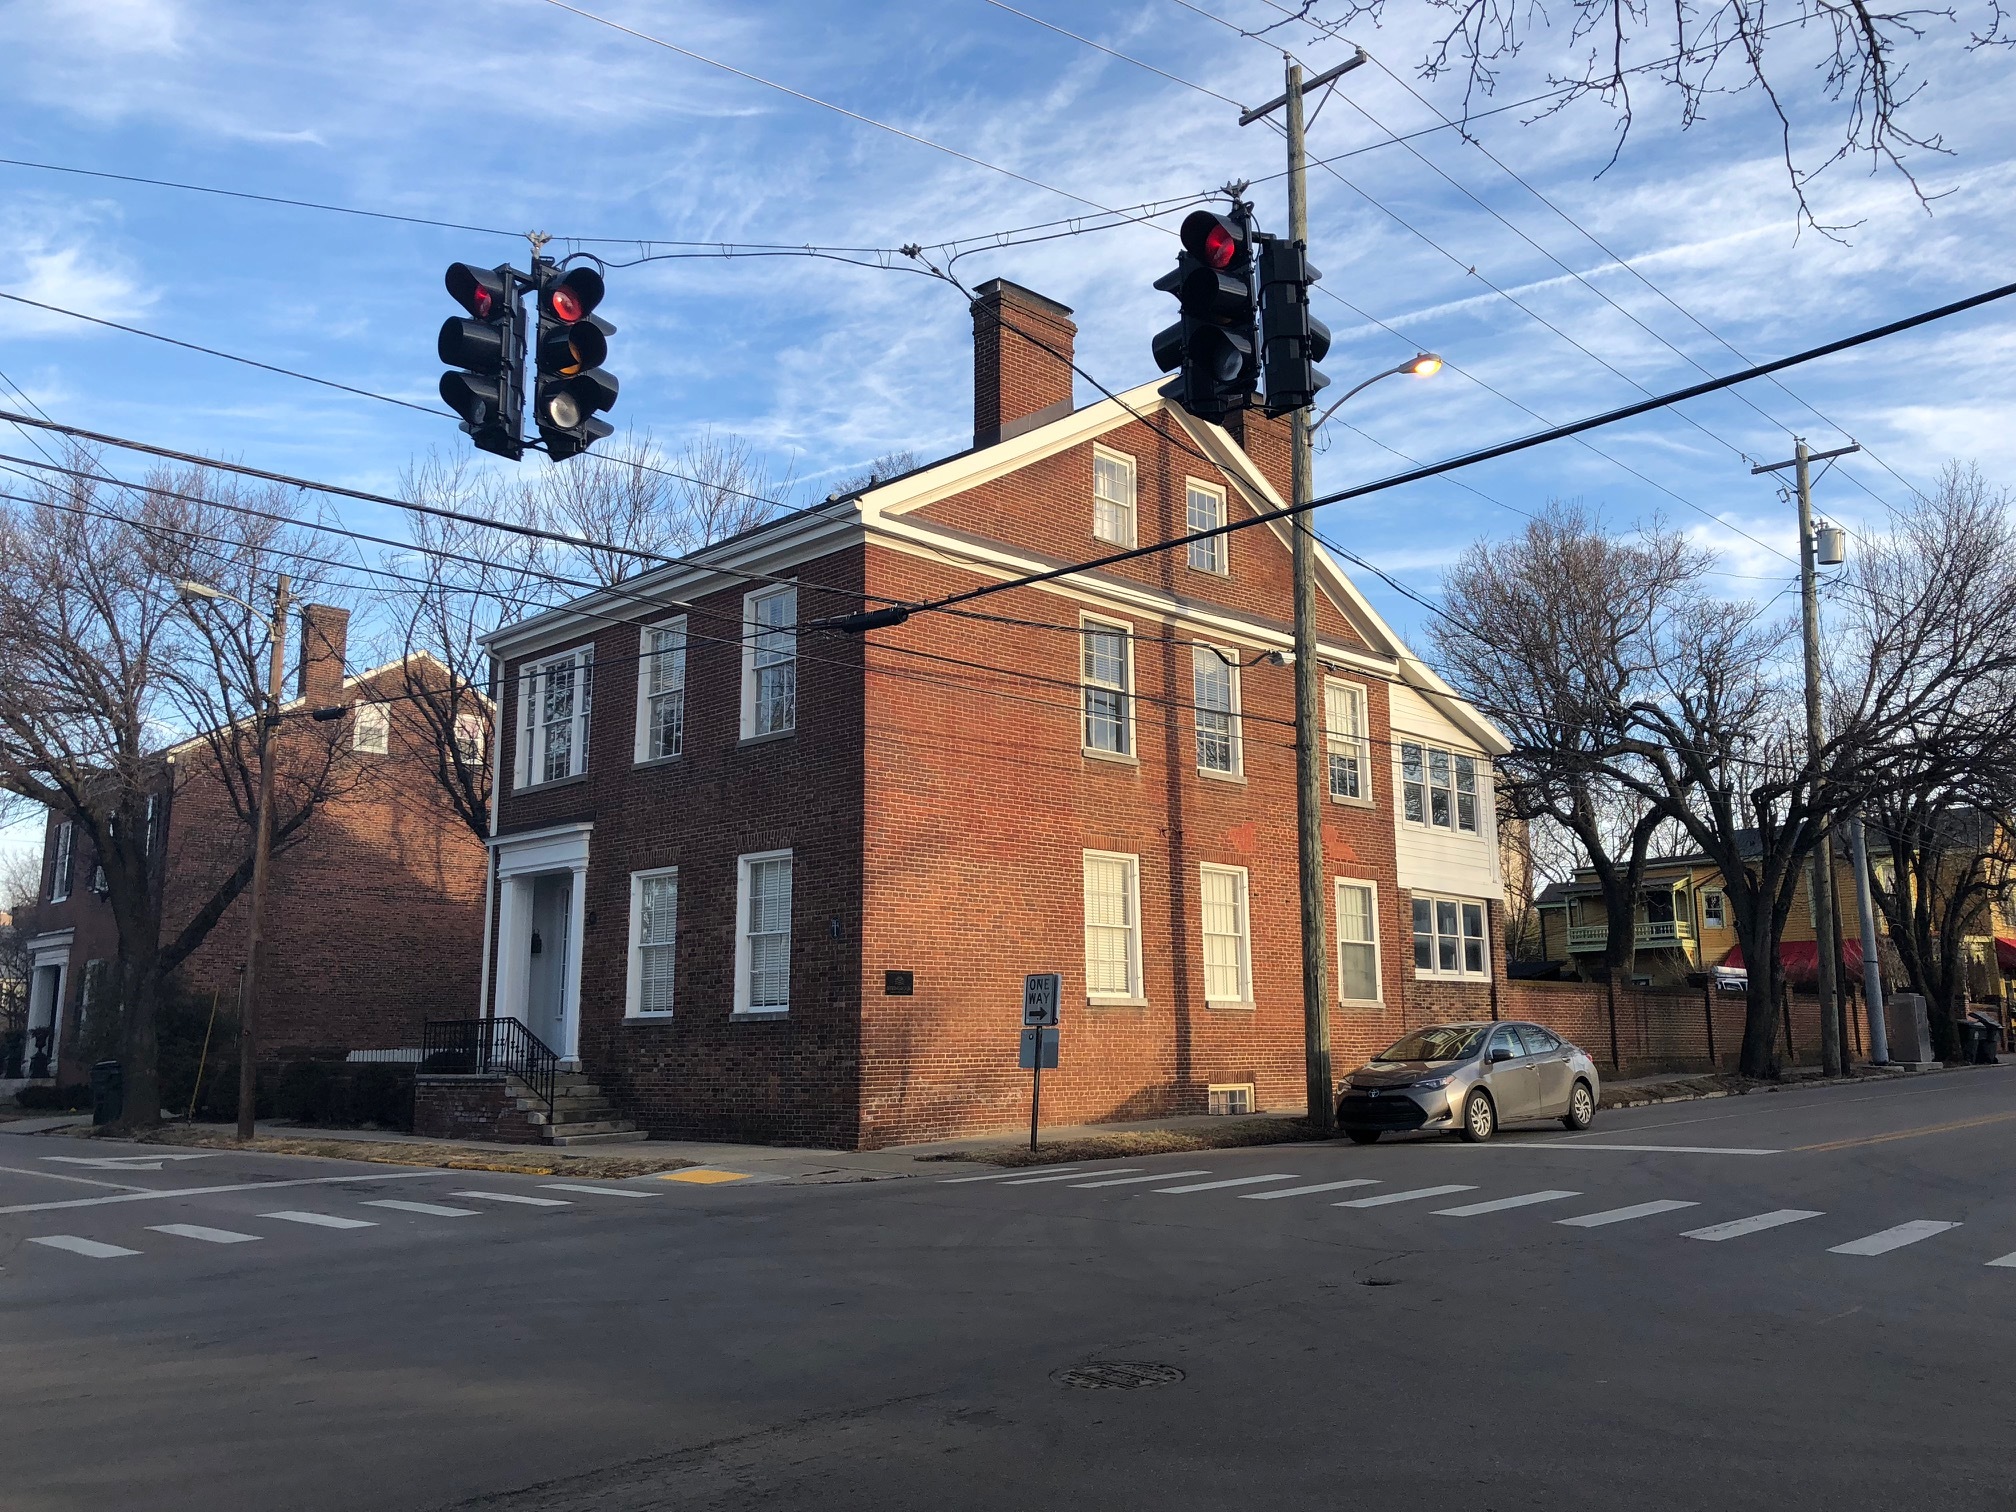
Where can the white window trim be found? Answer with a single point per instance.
(1363, 742)
(531, 755)
(371, 730)
(1435, 973)
(1135, 993)
(1221, 545)
(1126, 629)
(742, 865)
(633, 991)
(1426, 822)
(1378, 999)
(1245, 935)
(1133, 505)
(1230, 662)
(1714, 901)
(641, 748)
(65, 861)
(749, 630)
(473, 729)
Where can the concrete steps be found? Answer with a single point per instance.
(581, 1114)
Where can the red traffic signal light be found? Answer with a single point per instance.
(573, 295)
(570, 386)
(1217, 241)
(480, 291)
(488, 350)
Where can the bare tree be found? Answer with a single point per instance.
(1705, 50)
(103, 669)
(890, 464)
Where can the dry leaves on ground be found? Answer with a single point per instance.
(532, 1161)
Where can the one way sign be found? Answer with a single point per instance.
(1042, 992)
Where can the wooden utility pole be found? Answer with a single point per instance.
(262, 863)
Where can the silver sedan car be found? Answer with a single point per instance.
(1469, 1079)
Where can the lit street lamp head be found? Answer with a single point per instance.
(1427, 365)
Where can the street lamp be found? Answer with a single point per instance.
(1420, 365)
(192, 593)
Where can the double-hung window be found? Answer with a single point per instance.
(371, 729)
(1215, 691)
(1108, 664)
(1439, 788)
(770, 662)
(654, 920)
(661, 691)
(1112, 497)
(1347, 741)
(1449, 938)
(763, 933)
(1714, 910)
(1357, 942)
(554, 726)
(1228, 971)
(1112, 926)
(1204, 509)
(59, 876)
(469, 732)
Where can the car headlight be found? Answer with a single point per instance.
(1435, 1083)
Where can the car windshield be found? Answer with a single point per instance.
(1446, 1044)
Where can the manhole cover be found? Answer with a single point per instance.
(1118, 1375)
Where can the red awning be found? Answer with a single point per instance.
(1800, 959)
(2005, 955)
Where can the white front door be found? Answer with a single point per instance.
(548, 973)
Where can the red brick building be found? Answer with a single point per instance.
(375, 909)
(773, 882)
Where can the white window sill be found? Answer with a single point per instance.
(1216, 572)
(1363, 803)
(549, 782)
(1238, 777)
(1229, 1005)
(1115, 1002)
(649, 1018)
(658, 761)
(765, 739)
(1376, 1004)
(760, 1013)
(1119, 757)
(1473, 978)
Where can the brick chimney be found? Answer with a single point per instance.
(1017, 383)
(324, 632)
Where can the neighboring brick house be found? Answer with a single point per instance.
(778, 883)
(375, 909)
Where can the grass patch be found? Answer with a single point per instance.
(534, 1161)
(1232, 1134)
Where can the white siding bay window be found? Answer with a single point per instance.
(1449, 938)
(1438, 788)
(661, 691)
(553, 697)
(1108, 676)
(1228, 954)
(763, 933)
(654, 919)
(1112, 927)
(1215, 692)
(770, 662)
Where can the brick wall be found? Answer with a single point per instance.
(1663, 1029)
(470, 1107)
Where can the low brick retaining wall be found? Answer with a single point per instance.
(470, 1107)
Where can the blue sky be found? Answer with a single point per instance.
(518, 114)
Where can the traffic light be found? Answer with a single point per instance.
(489, 348)
(1293, 340)
(1212, 347)
(572, 343)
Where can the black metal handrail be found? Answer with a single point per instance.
(476, 1047)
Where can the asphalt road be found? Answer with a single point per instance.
(1792, 1302)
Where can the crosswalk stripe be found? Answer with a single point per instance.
(1413, 1196)
(207, 1235)
(1478, 1209)
(1893, 1238)
(90, 1249)
(518, 1197)
(1754, 1224)
(1093, 1186)
(596, 1191)
(999, 1175)
(1235, 1181)
(1307, 1191)
(320, 1220)
(1624, 1214)
(429, 1209)
(1068, 1175)
(2008, 1261)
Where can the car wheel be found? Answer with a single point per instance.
(1362, 1136)
(1480, 1118)
(1581, 1107)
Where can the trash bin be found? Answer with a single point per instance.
(1986, 1033)
(108, 1092)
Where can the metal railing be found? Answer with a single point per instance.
(477, 1047)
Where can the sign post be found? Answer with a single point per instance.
(1042, 994)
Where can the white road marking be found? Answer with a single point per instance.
(1478, 1209)
(1755, 1224)
(117, 1186)
(91, 1249)
(205, 1191)
(319, 1220)
(1307, 1191)
(207, 1235)
(430, 1209)
(999, 1175)
(1235, 1181)
(518, 1197)
(2007, 1260)
(1413, 1196)
(596, 1191)
(1893, 1238)
(1624, 1214)
(1088, 1186)
(1566, 1144)
(1067, 1175)
(125, 1162)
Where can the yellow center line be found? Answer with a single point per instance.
(1945, 1128)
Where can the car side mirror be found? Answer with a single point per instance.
(1501, 1053)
